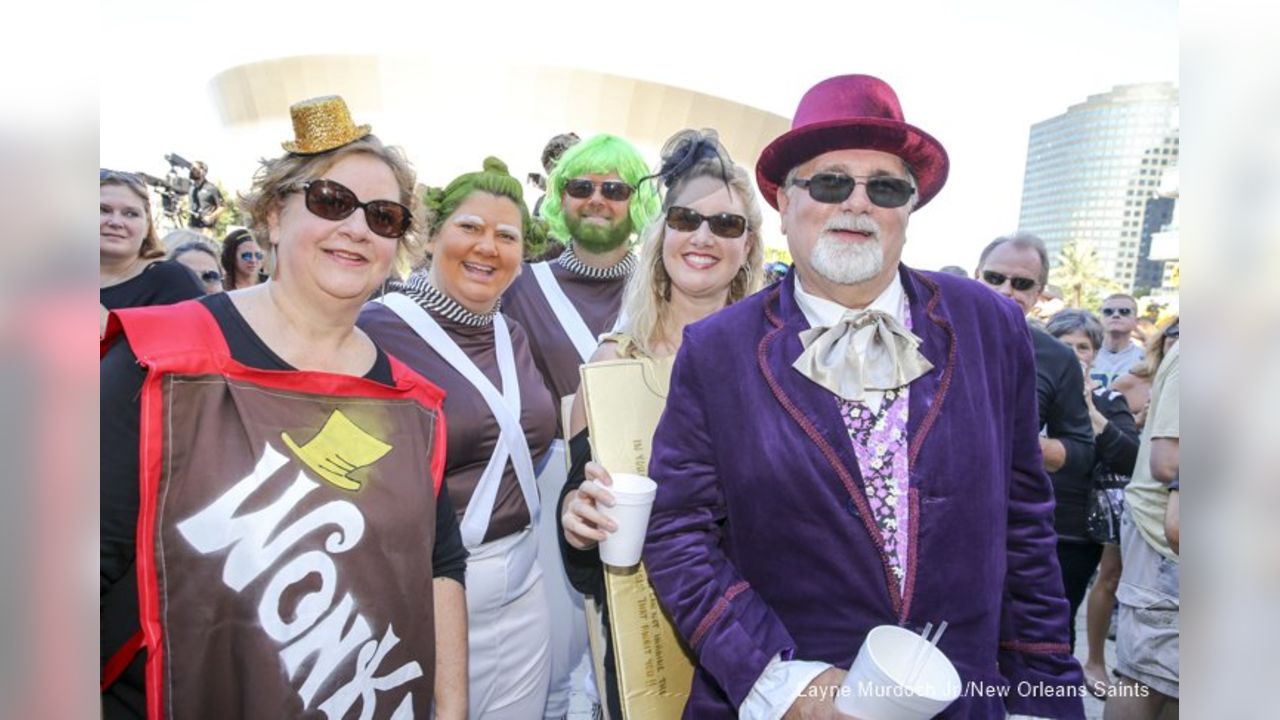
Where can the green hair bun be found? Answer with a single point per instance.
(496, 166)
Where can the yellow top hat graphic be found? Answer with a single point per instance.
(340, 448)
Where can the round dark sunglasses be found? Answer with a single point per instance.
(611, 189)
(726, 225)
(1122, 312)
(887, 192)
(335, 201)
(996, 279)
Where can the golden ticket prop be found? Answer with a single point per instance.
(624, 400)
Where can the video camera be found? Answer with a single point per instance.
(175, 185)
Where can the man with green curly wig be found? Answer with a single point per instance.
(595, 204)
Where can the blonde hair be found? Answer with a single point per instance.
(1154, 352)
(151, 247)
(277, 177)
(646, 301)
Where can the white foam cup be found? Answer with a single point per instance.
(633, 499)
(876, 687)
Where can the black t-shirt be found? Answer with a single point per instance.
(121, 385)
(163, 282)
(205, 198)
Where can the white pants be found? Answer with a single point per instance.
(508, 630)
(568, 619)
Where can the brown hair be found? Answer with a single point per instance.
(277, 177)
(151, 247)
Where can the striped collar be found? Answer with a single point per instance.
(623, 268)
(417, 287)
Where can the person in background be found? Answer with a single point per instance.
(954, 270)
(242, 260)
(1136, 384)
(551, 153)
(1119, 353)
(131, 268)
(1116, 444)
(445, 322)
(302, 558)
(704, 254)
(200, 257)
(1147, 636)
(1017, 267)
(206, 200)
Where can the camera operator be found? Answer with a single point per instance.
(206, 200)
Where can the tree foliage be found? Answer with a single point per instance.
(1078, 272)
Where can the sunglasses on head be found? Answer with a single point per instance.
(726, 225)
(615, 190)
(996, 279)
(250, 256)
(884, 191)
(334, 201)
(211, 276)
(1122, 311)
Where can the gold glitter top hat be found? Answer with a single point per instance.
(321, 124)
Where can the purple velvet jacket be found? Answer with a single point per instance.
(761, 541)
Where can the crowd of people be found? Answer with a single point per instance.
(330, 487)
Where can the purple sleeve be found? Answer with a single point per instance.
(729, 627)
(1035, 652)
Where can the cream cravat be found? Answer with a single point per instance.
(893, 357)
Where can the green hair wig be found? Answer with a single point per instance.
(601, 155)
(494, 179)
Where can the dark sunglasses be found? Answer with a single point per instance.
(1122, 312)
(611, 189)
(1171, 332)
(335, 201)
(996, 279)
(887, 192)
(726, 225)
(210, 276)
(248, 256)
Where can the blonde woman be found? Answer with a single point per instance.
(701, 254)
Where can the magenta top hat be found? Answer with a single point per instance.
(852, 112)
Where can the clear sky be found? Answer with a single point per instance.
(974, 74)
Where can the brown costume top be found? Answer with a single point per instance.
(472, 429)
(596, 294)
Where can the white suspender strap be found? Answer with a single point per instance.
(504, 405)
(574, 326)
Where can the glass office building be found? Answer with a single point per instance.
(1091, 170)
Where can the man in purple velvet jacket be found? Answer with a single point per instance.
(857, 446)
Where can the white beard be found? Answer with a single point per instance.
(847, 263)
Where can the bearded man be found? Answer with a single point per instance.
(857, 446)
(596, 203)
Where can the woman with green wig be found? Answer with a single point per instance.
(444, 321)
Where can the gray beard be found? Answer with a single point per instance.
(847, 263)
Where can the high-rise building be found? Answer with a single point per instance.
(1091, 170)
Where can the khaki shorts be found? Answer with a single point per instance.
(1147, 637)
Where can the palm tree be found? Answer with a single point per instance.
(1079, 274)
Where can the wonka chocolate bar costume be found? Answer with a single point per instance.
(769, 540)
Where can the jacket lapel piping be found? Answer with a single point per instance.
(917, 442)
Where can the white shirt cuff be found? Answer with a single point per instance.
(778, 687)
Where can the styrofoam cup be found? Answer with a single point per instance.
(633, 499)
(876, 686)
